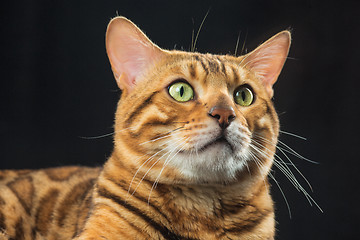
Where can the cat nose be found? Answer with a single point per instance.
(224, 115)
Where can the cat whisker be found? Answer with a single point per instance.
(282, 193)
(286, 156)
(143, 177)
(163, 167)
(293, 134)
(247, 166)
(154, 140)
(301, 189)
(97, 137)
(237, 44)
(198, 32)
(145, 162)
(166, 162)
(285, 148)
(133, 178)
(104, 135)
(259, 165)
(243, 46)
(192, 36)
(164, 135)
(272, 177)
(282, 166)
(295, 153)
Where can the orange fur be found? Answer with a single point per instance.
(168, 176)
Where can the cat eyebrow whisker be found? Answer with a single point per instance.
(198, 32)
(237, 44)
(243, 46)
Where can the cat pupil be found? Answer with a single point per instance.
(181, 91)
(243, 95)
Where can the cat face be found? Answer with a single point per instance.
(190, 117)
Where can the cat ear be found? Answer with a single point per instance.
(130, 52)
(268, 59)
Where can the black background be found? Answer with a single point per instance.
(56, 87)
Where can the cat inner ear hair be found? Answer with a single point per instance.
(130, 52)
(267, 60)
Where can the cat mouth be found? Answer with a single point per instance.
(221, 140)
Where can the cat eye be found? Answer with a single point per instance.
(243, 96)
(181, 91)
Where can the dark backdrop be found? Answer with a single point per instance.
(56, 87)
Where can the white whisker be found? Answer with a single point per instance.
(156, 139)
(283, 166)
(198, 32)
(162, 136)
(293, 152)
(293, 134)
(308, 183)
(285, 148)
(104, 135)
(143, 177)
(166, 162)
(258, 163)
(282, 193)
(237, 44)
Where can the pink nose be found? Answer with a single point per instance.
(224, 115)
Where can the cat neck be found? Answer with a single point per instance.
(139, 184)
(187, 208)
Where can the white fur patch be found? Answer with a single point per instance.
(218, 161)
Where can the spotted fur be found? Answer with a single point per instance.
(176, 171)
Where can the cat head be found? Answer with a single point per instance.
(191, 117)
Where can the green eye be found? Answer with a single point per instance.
(243, 96)
(181, 91)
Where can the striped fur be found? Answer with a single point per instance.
(167, 178)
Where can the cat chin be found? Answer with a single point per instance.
(216, 164)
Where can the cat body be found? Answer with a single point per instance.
(45, 204)
(195, 136)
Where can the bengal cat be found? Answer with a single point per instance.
(194, 141)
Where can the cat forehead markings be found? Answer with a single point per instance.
(210, 69)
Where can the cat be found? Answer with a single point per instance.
(194, 140)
